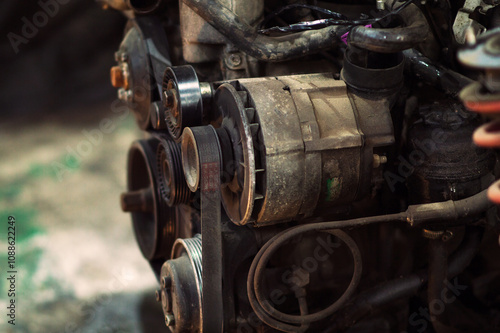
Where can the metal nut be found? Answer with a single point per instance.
(125, 95)
(169, 319)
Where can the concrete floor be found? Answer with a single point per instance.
(79, 268)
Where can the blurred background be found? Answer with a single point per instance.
(62, 168)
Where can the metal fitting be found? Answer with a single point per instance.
(380, 4)
(169, 320)
(379, 160)
(125, 95)
(234, 61)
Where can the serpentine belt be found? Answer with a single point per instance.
(209, 153)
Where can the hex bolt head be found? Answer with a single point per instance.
(169, 320)
(234, 60)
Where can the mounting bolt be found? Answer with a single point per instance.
(125, 95)
(447, 235)
(123, 57)
(378, 160)
(169, 319)
(234, 60)
(137, 201)
(158, 295)
(380, 4)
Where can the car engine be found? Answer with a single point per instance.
(315, 166)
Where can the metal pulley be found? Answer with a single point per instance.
(183, 96)
(182, 286)
(156, 224)
(153, 221)
(171, 180)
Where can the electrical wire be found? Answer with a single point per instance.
(286, 322)
(336, 19)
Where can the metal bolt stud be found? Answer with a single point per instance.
(137, 201)
(169, 319)
(378, 160)
(158, 295)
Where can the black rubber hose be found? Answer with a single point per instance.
(438, 272)
(370, 300)
(261, 47)
(404, 287)
(392, 40)
(448, 210)
(434, 74)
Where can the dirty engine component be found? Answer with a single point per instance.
(315, 166)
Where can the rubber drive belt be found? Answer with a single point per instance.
(209, 153)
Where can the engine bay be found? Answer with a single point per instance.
(315, 166)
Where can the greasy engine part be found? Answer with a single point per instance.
(204, 43)
(172, 184)
(323, 157)
(142, 58)
(185, 99)
(287, 178)
(156, 225)
(153, 220)
(182, 286)
(447, 165)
